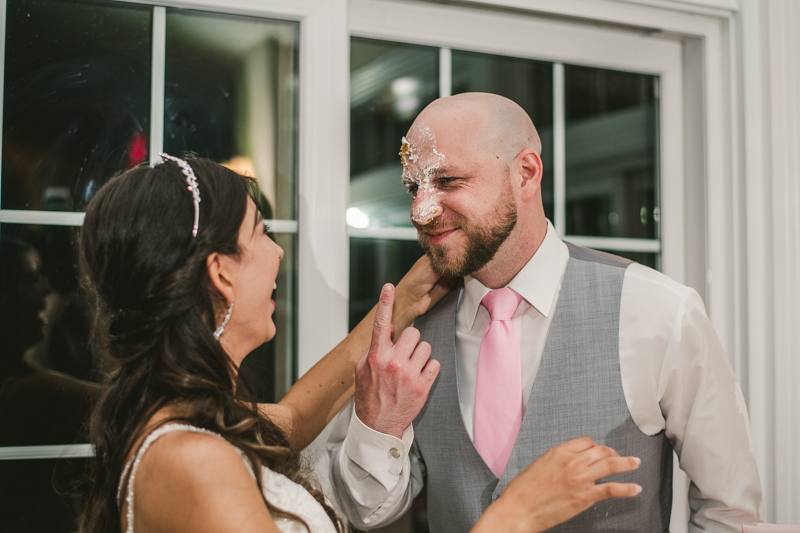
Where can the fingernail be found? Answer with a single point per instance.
(638, 489)
(637, 461)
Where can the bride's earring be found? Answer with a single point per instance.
(221, 329)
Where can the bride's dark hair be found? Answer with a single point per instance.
(153, 319)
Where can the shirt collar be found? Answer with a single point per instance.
(537, 282)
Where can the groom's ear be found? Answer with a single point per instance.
(220, 276)
(529, 167)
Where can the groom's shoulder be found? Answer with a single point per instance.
(578, 253)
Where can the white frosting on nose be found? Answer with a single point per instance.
(421, 162)
(427, 208)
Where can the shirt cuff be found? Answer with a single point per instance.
(374, 451)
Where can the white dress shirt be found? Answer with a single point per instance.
(675, 377)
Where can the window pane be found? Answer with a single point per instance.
(230, 97)
(374, 262)
(611, 132)
(76, 99)
(528, 83)
(42, 320)
(47, 369)
(390, 83)
(39, 496)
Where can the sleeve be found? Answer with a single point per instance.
(375, 476)
(706, 421)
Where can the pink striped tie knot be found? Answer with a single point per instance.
(498, 386)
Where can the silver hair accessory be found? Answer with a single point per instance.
(191, 181)
(221, 329)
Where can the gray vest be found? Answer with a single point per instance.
(577, 392)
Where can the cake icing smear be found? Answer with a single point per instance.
(421, 163)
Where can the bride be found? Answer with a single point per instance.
(180, 272)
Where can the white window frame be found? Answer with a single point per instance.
(559, 41)
(544, 40)
(726, 174)
(735, 65)
(323, 102)
(739, 79)
(323, 169)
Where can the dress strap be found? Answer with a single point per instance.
(133, 464)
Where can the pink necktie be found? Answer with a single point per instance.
(498, 387)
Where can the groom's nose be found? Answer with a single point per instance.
(426, 205)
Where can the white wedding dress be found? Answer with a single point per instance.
(279, 490)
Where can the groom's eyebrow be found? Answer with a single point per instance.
(448, 172)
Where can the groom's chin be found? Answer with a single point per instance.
(441, 263)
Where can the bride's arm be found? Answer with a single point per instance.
(320, 393)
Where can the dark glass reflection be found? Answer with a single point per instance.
(611, 153)
(528, 83)
(76, 105)
(46, 367)
(41, 496)
(374, 262)
(229, 96)
(390, 83)
(46, 371)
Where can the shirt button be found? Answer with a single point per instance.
(395, 453)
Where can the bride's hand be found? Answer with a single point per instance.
(557, 486)
(419, 290)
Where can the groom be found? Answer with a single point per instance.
(541, 343)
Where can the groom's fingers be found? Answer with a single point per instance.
(421, 354)
(382, 327)
(406, 342)
(431, 369)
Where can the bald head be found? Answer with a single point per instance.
(472, 164)
(492, 124)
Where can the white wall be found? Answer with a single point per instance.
(770, 79)
(783, 28)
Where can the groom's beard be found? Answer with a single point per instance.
(483, 241)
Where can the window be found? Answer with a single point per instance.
(601, 193)
(92, 89)
(606, 103)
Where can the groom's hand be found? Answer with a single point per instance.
(393, 380)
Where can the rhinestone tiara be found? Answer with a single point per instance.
(191, 182)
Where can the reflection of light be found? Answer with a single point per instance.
(137, 149)
(405, 87)
(406, 106)
(406, 101)
(57, 199)
(356, 218)
(241, 164)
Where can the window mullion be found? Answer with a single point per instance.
(445, 72)
(559, 152)
(50, 451)
(2, 76)
(157, 79)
